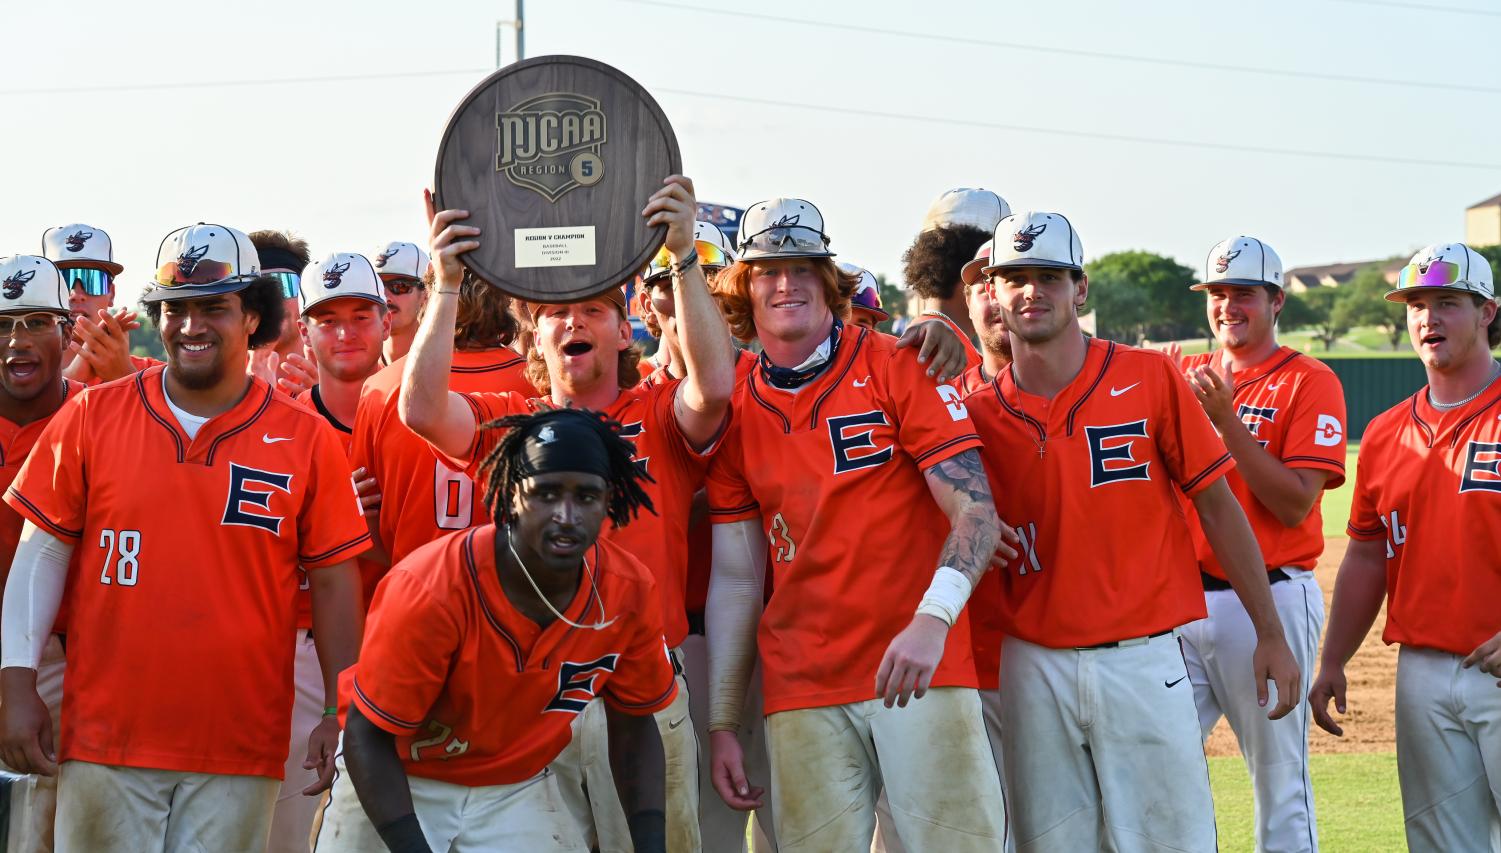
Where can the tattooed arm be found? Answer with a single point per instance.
(960, 488)
(637, 763)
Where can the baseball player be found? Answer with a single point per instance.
(957, 223)
(100, 349)
(1107, 439)
(833, 415)
(402, 268)
(343, 325)
(34, 321)
(423, 497)
(184, 594)
(1424, 527)
(484, 645)
(1282, 417)
(990, 326)
(865, 303)
(284, 255)
(585, 349)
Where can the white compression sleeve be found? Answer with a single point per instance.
(731, 616)
(33, 593)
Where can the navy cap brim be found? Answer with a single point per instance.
(1234, 282)
(194, 291)
(1030, 262)
(1399, 296)
(365, 296)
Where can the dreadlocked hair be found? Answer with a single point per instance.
(502, 475)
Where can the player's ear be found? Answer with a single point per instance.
(1081, 290)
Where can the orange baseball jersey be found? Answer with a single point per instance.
(184, 597)
(1093, 480)
(16, 442)
(1428, 481)
(834, 473)
(659, 540)
(422, 497)
(1295, 407)
(478, 694)
(370, 572)
(972, 357)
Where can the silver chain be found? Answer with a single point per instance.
(1444, 407)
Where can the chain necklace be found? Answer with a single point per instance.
(1444, 407)
(1042, 446)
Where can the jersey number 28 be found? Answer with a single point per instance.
(122, 550)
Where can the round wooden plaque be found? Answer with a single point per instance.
(554, 157)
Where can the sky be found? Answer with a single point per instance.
(325, 117)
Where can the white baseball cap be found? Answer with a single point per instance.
(401, 259)
(1449, 266)
(1242, 261)
(782, 228)
(867, 293)
(80, 245)
(714, 252)
(970, 272)
(1035, 239)
(979, 208)
(203, 260)
(338, 276)
(31, 283)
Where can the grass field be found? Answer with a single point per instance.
(1356, 799)
(1362, 342)
(1336, 505)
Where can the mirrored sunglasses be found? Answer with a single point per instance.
(94, 282)
(1433, 274)
(35, 323)
(176, 273)
(786, 238)
(291, 283)
(710, 256)
(401, 285)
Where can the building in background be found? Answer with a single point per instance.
(1483, 223)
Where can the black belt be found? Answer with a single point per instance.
(696, 622)
(1214, 584)
(1115, 644)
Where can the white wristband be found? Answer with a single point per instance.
(946, 596)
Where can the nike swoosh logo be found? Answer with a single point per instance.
(678, 723)
(860, 383)
(1116, 392)
(1274, 387)
(269, 440)
(1170, 684)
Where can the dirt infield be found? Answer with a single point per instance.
(1372, 675)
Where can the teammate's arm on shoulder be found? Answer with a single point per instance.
(447, 423)
(961, 488)
(939, 348)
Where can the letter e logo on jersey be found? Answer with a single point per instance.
(577, 683)
(1329, 432)
(1099, 454)
(845, 435)
(1252, 417)
(1482, 467)
(246, 494)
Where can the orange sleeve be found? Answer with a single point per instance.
(411, 638)
(50, 490)
(933, 423)
(1365, 519)
(643, 681)
(330, 527)
(362, 442)
(729, 494)
(1316, 428)
(1194, 453)
(487, 406)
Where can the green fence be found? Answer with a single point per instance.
(1373, 385)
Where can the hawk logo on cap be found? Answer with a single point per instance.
(188, 261)
(1222, 263)
(791, 219)
(334, 275)
(380, 260)
(1023, 240)
(76, 240)
(1425, 263)
(16, 284)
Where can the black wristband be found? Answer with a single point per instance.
(404, 835)
(648, 831)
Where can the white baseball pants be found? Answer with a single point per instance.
(828, 766)
(103, 808)
(1218, 650)
(1448, 753)
(1104, 749)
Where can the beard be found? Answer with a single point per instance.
(197, 378)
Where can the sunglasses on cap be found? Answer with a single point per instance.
(94, 282)
(778, 239)
(401, 285)
(290, 282)
(173, 274)
(709, 256)
(1431, 274)
(35, 323)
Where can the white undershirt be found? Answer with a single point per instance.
(190, 423)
